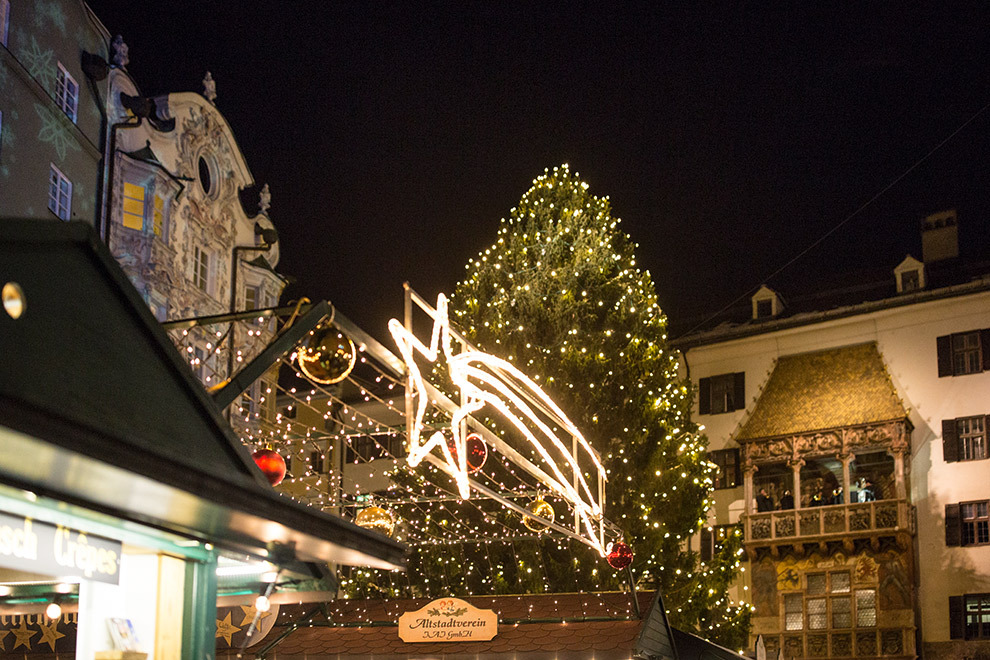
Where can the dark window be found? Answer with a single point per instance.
(964, 439)
(729, 474)
(969, 616)
(316, 462)
(713, 538)
(368, 448)
(975, 525)
(963, 353)
(723, 393)
(764, 308)
(910, 281)
(967, 523)
(205, 179)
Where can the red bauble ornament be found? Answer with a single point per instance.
(619, 555)
(477, 451)
(271, 463)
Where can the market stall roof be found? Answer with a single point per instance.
(570, 626)
(824, 390)
(98, 409)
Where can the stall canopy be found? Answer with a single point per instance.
(99, 410)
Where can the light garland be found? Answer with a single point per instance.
(502, 386)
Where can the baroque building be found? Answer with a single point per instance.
(177, 223)
(849, 432)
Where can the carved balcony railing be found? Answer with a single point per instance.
(855, 643)
(825, 523)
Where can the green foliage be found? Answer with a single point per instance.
(560, 295)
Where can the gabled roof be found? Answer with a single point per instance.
(824, 390)
(97, 408)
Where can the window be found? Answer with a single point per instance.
(723, 393)
(793, 612)
(316, 462)
(66, 93)
(963, 353)
(201, 269)
(133, 206)
(252, 297)
(729, 474)
(764, 308)
(910, 280)
(713, 538)
(975, 523)
(967, 523)
(368, 448)
(158, 217)
(964, 439)
(4, 21)
(829, 602)
(969, 616)
(59, 194)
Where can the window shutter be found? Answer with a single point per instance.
(705, 396)
(950, 441)
(957, 620)
(739, 395)
(985, 348)
(944, 347)
(707, 549)
(953, 528)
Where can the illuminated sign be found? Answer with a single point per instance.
(29, 545)
(448, 620)
(484, 379)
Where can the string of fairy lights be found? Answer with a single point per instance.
(346, 442)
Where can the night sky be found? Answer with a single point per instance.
(728, 136)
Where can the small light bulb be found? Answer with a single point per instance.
(261, 603)
(53, 611)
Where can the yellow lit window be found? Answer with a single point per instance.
(158, 216)
(133, 206)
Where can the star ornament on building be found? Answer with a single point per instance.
(23, 634)
(226, 629)
(49, 633)
(486, 380)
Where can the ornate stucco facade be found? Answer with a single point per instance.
(177, 223)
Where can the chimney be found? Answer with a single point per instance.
(939, 237)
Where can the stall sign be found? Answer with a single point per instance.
(448, 620)
(29, 545)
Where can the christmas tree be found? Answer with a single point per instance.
(559, 294)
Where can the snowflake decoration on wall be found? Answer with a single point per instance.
(54, 131)
(39, 64)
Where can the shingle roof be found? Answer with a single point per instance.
(551, 626)
(823, 390)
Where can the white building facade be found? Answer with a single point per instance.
(177, 224)
(852, 450)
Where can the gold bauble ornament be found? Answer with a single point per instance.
(328, 356)
(376, 519)
(538, 507)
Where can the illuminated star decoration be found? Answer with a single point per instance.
(23, 634)
(226, 629)
(485, 379)
(49, 633)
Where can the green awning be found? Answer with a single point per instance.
(97, 408)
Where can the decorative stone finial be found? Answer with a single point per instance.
(264, 200)
(120, 57)
(210, 88)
